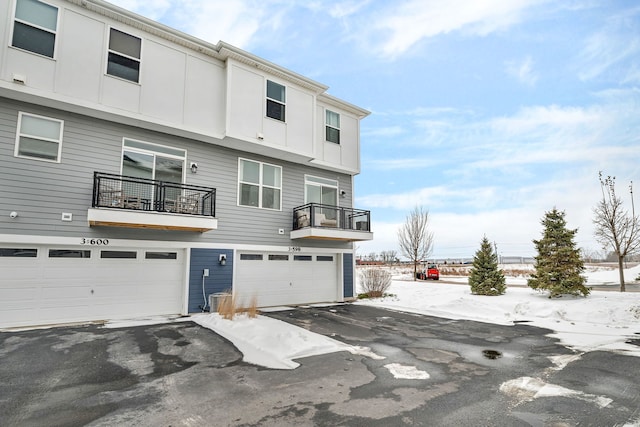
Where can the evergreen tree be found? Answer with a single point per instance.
(558, 265)
(485, 277)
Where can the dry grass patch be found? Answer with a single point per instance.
(228, 306)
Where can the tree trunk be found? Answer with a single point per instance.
(415, 270)
(620, 269)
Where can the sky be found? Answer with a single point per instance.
(486, 113)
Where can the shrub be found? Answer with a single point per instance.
(375, 282)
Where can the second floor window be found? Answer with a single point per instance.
(259, 184)
(332, 133)
(276, 101)
(35, 27)
(124, 56)
(39, 137)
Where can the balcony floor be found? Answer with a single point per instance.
(327, 233)
(152, 220)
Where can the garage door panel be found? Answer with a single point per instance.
(300, 279)
(45, 290)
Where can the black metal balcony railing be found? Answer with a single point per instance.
(318, 215)
(127, 192)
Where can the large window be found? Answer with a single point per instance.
(35, 26)
(276, 98)
(259, 184)
(124, 56)
(332, 128)
(152, 161)
(320, 190)
(39, 137)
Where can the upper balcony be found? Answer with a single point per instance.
(317, 221)
(125, 201)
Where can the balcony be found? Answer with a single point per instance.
(124, 201)
(325, 222)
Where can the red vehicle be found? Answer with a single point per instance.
(431, 272)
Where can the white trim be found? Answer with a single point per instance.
(21, 239)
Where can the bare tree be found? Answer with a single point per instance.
(416, 241)
(615, 227)
(388, 257)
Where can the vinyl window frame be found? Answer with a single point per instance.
(328, 134)
(260, 184)
(275, 101)
(37, 27)
(124, 55)
(20, 134)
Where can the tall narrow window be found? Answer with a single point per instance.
(39, 137)
(276, 98)
(259, 184)
(333, 127)
(35, 26)
(124, 56)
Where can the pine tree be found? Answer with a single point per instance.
(485, 277)
(558, 265)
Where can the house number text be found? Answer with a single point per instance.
(94, 242)
(294, 249)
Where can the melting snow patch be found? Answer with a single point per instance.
(527, 388)
(364, 351)
(406, 372)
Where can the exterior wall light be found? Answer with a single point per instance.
(222, 259)
(194, 167)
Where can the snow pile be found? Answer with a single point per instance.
(269, 342)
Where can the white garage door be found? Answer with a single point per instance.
(285, 279)
(55, 284)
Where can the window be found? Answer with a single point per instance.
(251, 257)
(34, 28)
(320, 190)
(324, 258)
(124, 56)
(39, 137)
(69, 253)
(278, 257)
(302, 258)
(259, 184)
(332, 133)
(18, 252)
(275, 101)
(118, 254)
(161, 255)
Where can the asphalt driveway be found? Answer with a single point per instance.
(181, 374)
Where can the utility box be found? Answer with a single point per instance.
(216, 299)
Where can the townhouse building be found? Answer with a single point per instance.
(143, 170)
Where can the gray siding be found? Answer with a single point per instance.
(41, 191)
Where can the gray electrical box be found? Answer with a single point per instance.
(215, 299)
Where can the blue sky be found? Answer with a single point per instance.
(488, 113)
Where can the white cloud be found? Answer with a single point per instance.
(406, 24)
(616, 43)
(522, 71)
